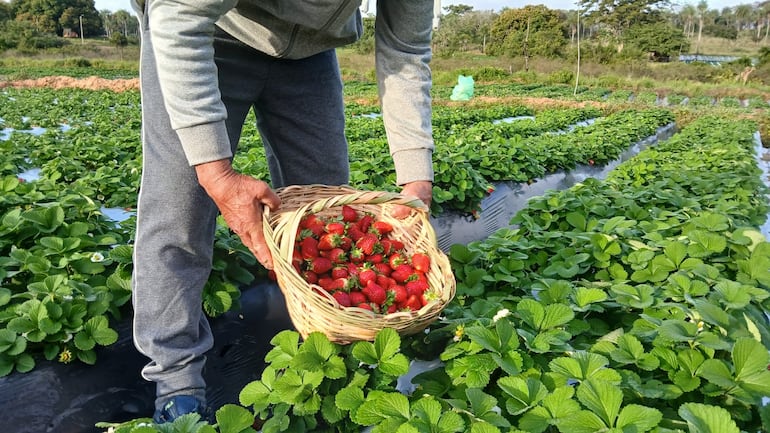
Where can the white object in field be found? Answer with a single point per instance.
(436, 13)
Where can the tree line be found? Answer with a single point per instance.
(35, 24)
(608, 29)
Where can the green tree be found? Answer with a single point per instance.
(53, 16)
(365, 44)
(120, 21)
(5, 11)
(462, 29)
(743, 15)
(529, 31)
(119, 40)
(616, 16)
(721, 31)
(659, 40)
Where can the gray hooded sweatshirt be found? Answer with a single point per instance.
(182, 35)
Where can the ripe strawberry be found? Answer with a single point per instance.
(356, 255)
(366, 275)
(337, 255)
(352, 268)
(402, 273)
(296, 258)
(392, 309)
(365, 222)
(396, 259)
(357, 297)
(340, 271)
(416, 287)
(381, 228)
(382, 268)
(375, 293)
(308, 220)
(342, 298)
(413, 303)
(310, 276)
(421, 262)
(346, 242)
(312, 224)
(355, 233)
(376, 258)
(368, 244)
(319, 265)
(365, 306)
(384, 281)
(325, 283)
(343, 284)
(399, 293)
(396, 245)
(329, 241)
(387, 246)
(308, 248)
(335, 227)
(349, 214)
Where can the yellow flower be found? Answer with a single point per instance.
(65, 356)
(459, 332)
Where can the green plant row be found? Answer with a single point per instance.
(465, 166)
(63, 264)
(603, 311)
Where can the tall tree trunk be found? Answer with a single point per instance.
(577, 72)
(700, 33)
(526, 48)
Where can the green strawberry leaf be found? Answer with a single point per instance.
(703, 418)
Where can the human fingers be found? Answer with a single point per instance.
(423, 190)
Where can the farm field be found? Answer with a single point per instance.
(633, 296)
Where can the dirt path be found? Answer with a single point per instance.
(89, 83)
(122, 85)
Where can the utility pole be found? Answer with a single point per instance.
(82, 41)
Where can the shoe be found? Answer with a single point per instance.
(177, 406)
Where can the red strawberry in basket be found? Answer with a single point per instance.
(368, 244)
(335, 227)
(421, 262)
(381, 228)
(399, 293)
(319, 265)
(342, 298)
(357, 298)
(349, 214)
(328, 241)
(416, 287)
(375, 293)
(308, 248)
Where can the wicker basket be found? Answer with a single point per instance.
(312, 308)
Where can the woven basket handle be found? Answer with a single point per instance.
(368, 197)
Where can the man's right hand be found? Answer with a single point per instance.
(240, 200)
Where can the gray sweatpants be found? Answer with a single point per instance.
(299, 107)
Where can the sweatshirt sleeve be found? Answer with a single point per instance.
(403, 53)
(182, 40)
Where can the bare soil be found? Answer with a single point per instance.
(122, 85)
(89, 83)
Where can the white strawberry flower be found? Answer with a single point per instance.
(500, 314)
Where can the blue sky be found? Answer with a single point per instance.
(496, 5)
